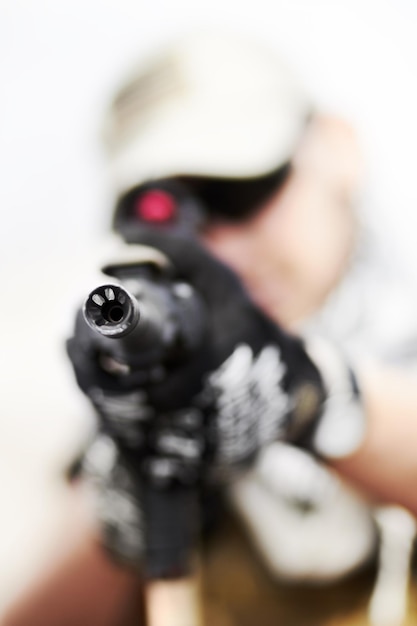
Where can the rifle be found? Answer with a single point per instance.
(144, 322)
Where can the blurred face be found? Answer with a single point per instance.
(295, 249)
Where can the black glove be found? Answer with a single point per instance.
(251, 382)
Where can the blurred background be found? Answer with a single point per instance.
(60, 63)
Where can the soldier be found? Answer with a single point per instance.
(221, 162)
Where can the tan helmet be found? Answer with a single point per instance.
(209, 105)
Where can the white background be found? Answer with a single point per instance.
(59, 64)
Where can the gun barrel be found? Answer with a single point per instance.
(135, 331)
(111, 311)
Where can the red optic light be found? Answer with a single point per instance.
(155, 206)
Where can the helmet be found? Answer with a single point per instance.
(211, 106)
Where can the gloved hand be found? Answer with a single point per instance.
(253, 382)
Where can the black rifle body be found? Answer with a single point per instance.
(140, 324)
